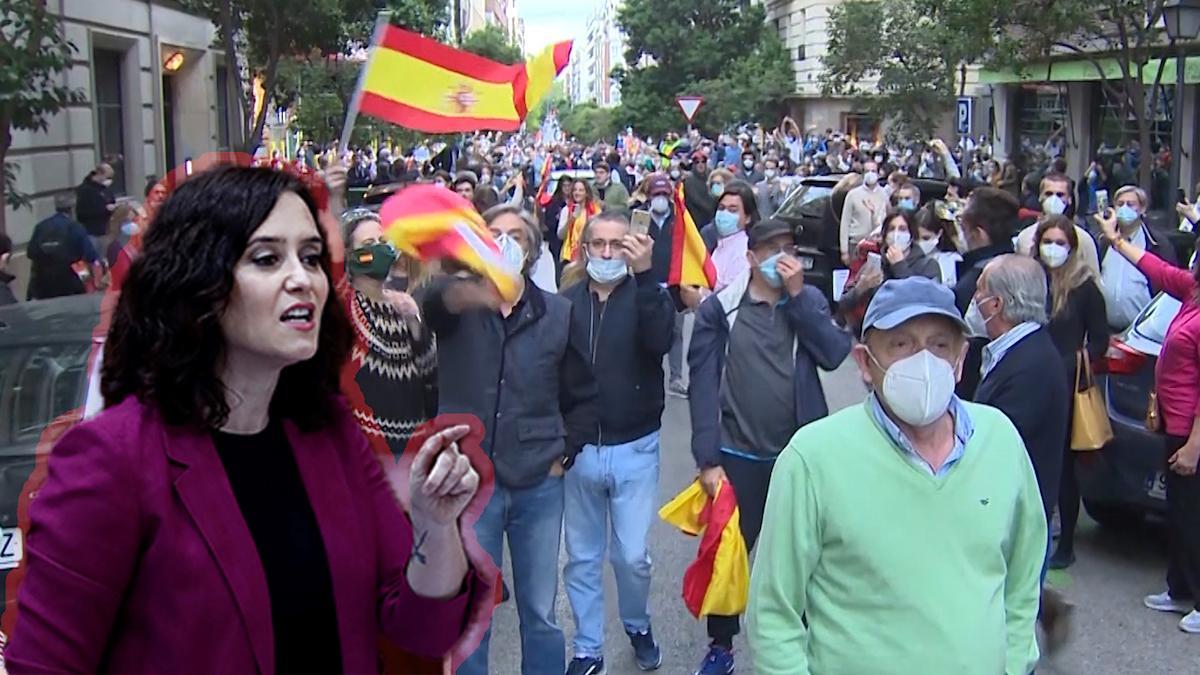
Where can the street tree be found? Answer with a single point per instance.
(589, 123)
(492, 42)
(34, 53)
(719, 49)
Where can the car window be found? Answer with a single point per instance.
(1153, 322)
(50, 382)
(793, 205)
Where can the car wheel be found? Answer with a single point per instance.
(1117, 516)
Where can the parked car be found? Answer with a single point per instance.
(45, 387)
(814, 210)
(1125, 481)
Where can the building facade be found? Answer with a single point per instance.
(155, 93)
(596, 55)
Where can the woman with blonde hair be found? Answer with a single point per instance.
(1077, 322)
(581, 206)
(126, 221)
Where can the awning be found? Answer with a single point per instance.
(1085, 71)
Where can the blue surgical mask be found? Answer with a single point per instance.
(1126, 214)
(129, 228)
(718, 189)
(607, 271)
(513, 254)
(770, 274)
(906, 204)
(726, 223)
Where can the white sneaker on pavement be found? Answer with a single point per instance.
(1163, 602)
(1190, 623)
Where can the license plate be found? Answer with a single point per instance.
(12, 547)
(807, 262)
(1156, 485)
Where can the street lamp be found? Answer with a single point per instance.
(1182, 19)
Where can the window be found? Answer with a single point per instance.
(110, 114)
(223, 108)
(50, 383)
(1042, 109)
(802, 32)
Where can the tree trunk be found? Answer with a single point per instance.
(5, 143)
(268, 87)
(233, 62)
(457, 22)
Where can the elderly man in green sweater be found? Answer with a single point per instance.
(904, 535)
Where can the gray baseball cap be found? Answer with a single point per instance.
(899, 300)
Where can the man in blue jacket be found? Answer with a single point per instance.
(629, 319)
(753, 362)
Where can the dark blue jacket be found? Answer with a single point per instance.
(526, 378)
(628, 337)
(819, 342)
(56, 243)
(1030, 387)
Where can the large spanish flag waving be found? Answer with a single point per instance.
(690, 263)
(422, 84)
(431, 223)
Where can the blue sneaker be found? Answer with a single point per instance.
(645, 650)
(719, 661)
(583, 665)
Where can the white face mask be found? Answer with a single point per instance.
(918, 389)
(1054, 205)
(660, 205)
(871, 179)
(976, 321)
(928, 246)
(1054, 255)
(513, 254)
(899, 239)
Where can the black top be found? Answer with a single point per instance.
(266, 482)
(1082, 319)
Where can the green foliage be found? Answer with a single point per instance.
(589, 123)
(34, 52)
(719, 49)
(905, 58)
(492, 42)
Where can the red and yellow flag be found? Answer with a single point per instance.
(543, 197)
(431, 223)
(718, 580)
(690, 263)
(578, 219)
(419, 83)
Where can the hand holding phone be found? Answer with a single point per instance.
(639, 223)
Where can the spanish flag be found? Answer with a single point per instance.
(718, 580)
(578, 217)
(690, 262)
(544, 198)
(419, 83)
(430, 223)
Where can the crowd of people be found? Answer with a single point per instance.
(968, 318)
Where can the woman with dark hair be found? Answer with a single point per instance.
(580, 208)
(395, 355)
(225, 513)
(1078, 322)
(938, 238)
(736, 213)
(900, 258)
(1177, 392)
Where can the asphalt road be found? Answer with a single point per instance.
(1112, 634)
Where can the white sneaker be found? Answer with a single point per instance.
(1190, 623)
(1163, 602)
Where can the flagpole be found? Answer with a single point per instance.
(381, 21)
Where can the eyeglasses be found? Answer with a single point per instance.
(599, 246)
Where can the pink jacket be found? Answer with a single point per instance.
(1177, 373)
(139, 560)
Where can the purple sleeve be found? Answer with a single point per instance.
(422, 626)
(1178, 283)
(81, 552)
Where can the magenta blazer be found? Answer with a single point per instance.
(139, 560)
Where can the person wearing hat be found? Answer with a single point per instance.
(906, 534)
(464, 185)
(754, 356)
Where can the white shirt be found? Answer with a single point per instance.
(1126, 289)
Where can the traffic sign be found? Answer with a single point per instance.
(689, 105)
(966, 109)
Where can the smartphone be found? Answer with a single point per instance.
(639, 223)
(1101, 200)
(1181, 196)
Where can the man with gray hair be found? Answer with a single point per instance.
(1126, 290)
(57, 243)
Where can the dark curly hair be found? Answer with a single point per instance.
(166, 342)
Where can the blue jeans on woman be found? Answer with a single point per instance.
(532, 519)
(618, 482)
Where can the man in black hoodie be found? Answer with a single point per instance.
(629, 320)
(94, 204)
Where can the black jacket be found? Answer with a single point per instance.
(526, 378)
(56, 243)
(660, 265)
(968, 281)
(1029, 388)
(7, 296)
(699, 199)
(1083, 319)
(91, 207)
(627, 338)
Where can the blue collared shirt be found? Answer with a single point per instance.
(994, 351)
(963, 430)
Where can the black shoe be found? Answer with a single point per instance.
(1061, 560)
(582, 665)
(645, 650)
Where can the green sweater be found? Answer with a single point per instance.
(898, 571)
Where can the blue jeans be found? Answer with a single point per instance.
(532, 519)
(621, 482)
